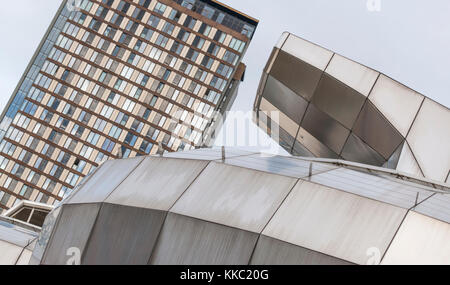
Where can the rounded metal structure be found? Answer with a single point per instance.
(232, 206)
(332, 107)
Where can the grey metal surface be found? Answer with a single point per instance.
(335, 223)
(270, 251)
(306, 51)
(336, 88)
(209, 154)
(71, 232)
(9, 253)
(331, 95)
(421, 240)
(429, 139)
(157, 183)
(188, 241)
(353, 74)
(123, 235)
(407, 163)
(44, 236)
(437, 206)
(358, 151)
(285, 99)
(325, 129)
(107, 178)
(309, 211)
(297, 75)
(281, 165)
(312, 144)
(372, 186)
(376, 131)
(396, 102)
(236, 197)
(16, 235)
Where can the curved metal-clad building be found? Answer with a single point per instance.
(231, 206)
(332, 107)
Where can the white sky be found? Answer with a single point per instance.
(409, 40)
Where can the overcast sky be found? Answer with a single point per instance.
(409, 40)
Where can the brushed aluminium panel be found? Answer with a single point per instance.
(188, 241)
(123, 235)
(284, 99)
(392, 162)
(9, 253)
(353, 74)
(105, 180)
(271, 60)
(420, 240)
(396, 102)
(270, 251)
(24, 257)
(376, 131)
(325, 129)
(356, 150)
(301, 150)
(282, 39)
(234, 196)
(429, 140)
(15, 234)
(308, 52)
(338, 100)
(407, 163)
(306, 142)
(272, 129)
(297, 75)
(335, 223)
(372, 186)
(282, 165)
(280, 118)
(71, 232)
(44, 236)
(208, 154)
(436, 207)
(157, 183)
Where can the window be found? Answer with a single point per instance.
(204, 29)
(146, 114)
(108, 145)
(189, 22)
(161, 41)
(160, 8)
(207, 62)
(192, 54)
(153, 21)
(220, 36)
(147, 34)
(168, 28)
(175, 15)
(213, 49)
(198, 42)
(177, 48)
(183, 35)
(237, 45)
(146, 147)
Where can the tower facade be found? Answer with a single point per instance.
(117, 79)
